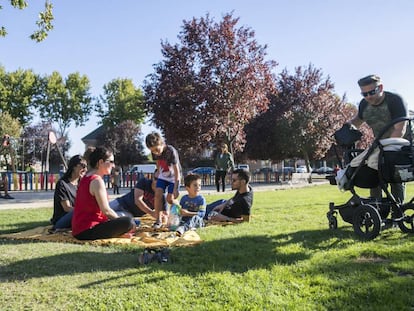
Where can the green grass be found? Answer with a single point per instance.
(286, 258)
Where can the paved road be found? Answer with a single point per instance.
(42, 198)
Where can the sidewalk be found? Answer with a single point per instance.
(42, 198)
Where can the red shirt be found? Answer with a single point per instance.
(86, 213)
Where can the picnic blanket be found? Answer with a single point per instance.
(145, 236)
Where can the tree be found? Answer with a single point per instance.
(121, 102)
(209, 85)
(302, 118)
(124, 140)
(44, 22)
(65, 101)
(18, 90)
(10, 130)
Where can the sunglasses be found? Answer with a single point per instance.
(370, 93)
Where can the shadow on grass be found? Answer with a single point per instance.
(68, 263)
(234, 255)
(241, 254)
(19, 227)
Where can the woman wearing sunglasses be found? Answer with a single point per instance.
(92, 217)
(65, 193)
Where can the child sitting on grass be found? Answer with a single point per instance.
(193, 205)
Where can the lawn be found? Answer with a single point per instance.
(286, 258)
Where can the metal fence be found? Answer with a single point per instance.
(25, 181)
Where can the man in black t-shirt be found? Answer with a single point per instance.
(238, 207)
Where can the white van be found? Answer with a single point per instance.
(244, 167)
(142, 169)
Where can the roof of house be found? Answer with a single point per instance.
(94, 134)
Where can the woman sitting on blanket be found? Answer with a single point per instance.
(65, 193)
(92, 217)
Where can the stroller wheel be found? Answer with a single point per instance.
(333, 222)
(366, 222)
(407, 223)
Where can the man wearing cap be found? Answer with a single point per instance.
(377, 109)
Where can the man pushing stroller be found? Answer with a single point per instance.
(377, 109)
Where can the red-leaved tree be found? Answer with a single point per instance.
(303, 115)
(210, 85)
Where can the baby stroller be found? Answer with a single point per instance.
(394, 164)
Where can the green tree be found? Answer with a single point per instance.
(209, 85)
(44, 23)
(18, 90)
(65, 101)
(121, 101)
(10, 130)
(124, 140)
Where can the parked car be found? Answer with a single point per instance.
(142, 169)
(265, 170)
(302, 169)
(203, 170)
(324, 170)
(243, 166)
(287, 170)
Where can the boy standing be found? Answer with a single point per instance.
(193, 205)
(168, 166)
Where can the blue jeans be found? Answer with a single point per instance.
(118, 208)
(64, 222)
(212, 205)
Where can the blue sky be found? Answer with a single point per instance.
(110, 39)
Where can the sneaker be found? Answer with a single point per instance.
(157, 225)
(146, 257)
(180, 230)
(7, 196)
(163, 255)
(58, 230)
(154, 255)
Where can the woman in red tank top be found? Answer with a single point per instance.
(92, 217)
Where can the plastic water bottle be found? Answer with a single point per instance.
(174, 217)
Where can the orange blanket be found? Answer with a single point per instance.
(145, 236)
